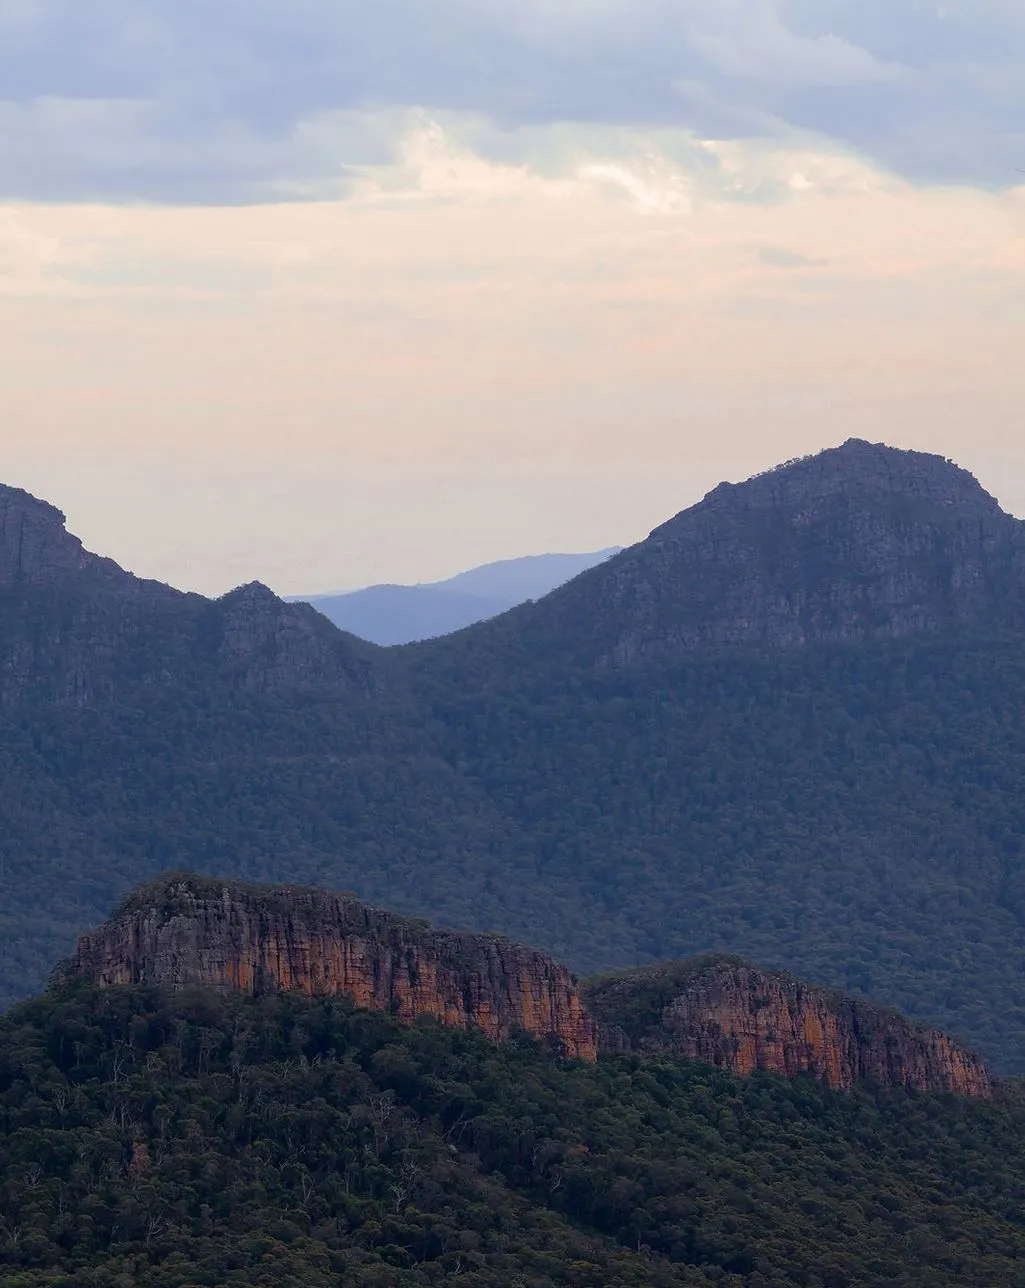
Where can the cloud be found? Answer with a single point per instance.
(468, 349)
(272, 99)
(749, 42)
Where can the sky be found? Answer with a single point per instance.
(324, 293)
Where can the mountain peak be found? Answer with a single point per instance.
(35, 545)
(397, 614)
(252, 593)
(859, 541)
(856, 470)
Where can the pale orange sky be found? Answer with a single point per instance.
(463, 359)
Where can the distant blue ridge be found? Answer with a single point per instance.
(389, 614)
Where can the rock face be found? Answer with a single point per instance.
(185, 930)
(729, 1014)
(35, 548)
(861, 541)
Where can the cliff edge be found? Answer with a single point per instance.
(183, 930)
(727, 1013)
(37, 549)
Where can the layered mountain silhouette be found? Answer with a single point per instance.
(860, 541)
(788, 725)
(390, 614)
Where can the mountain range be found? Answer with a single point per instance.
(789, 725)
(389, 614)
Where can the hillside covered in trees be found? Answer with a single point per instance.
(214, 1139)
(790, 725)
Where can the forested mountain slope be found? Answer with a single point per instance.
(213, 1139)
(790, 725)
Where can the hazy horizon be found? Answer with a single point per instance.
(1005, 490)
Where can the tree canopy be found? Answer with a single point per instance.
(160, 1140)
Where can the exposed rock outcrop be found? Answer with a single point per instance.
(183, 930)
(732, 1015)
(186, 930)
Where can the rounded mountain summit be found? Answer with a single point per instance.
(859, 541)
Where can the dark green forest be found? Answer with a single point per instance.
(152, 1140)
(853, 813)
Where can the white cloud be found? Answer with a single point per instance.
(193, 102)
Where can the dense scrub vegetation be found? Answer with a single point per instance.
(158, 1141)
(855, 814)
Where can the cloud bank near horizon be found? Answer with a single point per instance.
(136, 100)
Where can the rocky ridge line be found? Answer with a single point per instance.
(182, 931)
(724, 1012)
(77, 629)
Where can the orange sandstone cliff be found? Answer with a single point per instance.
(724, 1012)
(184, 930)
